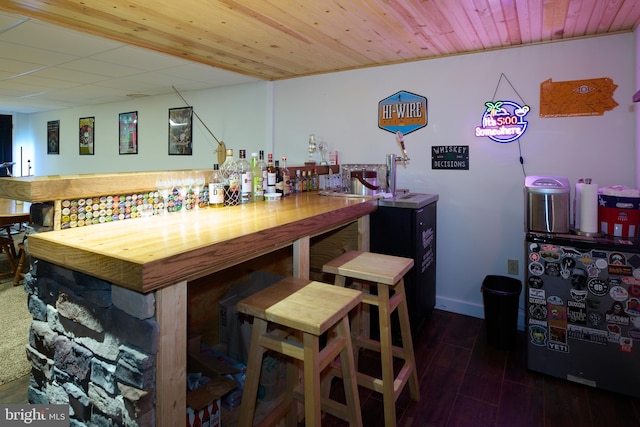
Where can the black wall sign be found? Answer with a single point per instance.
(450, 157)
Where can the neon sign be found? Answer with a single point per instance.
(503, 121)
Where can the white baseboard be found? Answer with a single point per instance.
(470, 309)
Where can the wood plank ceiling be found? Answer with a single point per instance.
(279, 39)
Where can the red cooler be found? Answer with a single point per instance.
(619, 216)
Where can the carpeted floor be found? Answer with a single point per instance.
(15, 320)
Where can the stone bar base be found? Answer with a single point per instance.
(92, 346)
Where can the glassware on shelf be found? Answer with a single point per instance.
(197, 186)
(165, 187)
(313, 147)
(323, 147)
(184, 185)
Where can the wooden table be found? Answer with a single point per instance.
(162, 253)
(13, 213)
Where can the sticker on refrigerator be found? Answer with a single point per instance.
(552, 269)
(563, 348)
(595, 319)
(614, 333)
(535, 282)
(579, 278)
(536, 269)
(538, 335)
(618, 293)
(577, 312)
(626, 345)
(557, 315)
(616, 258)
(538, 311)
(590, 335)
(578, 295)
(617, 315)
(558, 335)
(534, 257)
(633, 307)
(572, 252)
(598, 287)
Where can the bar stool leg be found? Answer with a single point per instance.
(349, 376)
(254, 364)
(386, 356)
(311, 380)
(407, 342)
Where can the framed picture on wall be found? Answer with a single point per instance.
(53, 137)
(87, 134)
(128, 133)
(180, 122)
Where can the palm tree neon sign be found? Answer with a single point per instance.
(503, 121)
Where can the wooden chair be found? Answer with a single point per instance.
(297, 312)
(386, 274)
(22, 255)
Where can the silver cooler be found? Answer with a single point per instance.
(547, 204)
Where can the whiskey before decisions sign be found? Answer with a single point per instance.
(450, 157)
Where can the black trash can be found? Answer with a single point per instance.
(501, 297)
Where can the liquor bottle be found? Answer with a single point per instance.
(271, 175)
(246, 178)
(295, 182)
(258, 190)
(263, 167)
(231, 180)
(303, 182)
(315, 180)
(279, 183)
(308, 182)
(286, 178)
(216, 188)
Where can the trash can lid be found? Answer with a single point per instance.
(501, 285)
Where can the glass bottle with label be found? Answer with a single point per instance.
(271, 175)
(279, 183)
(298, 182)
(286, 178)
(246, 178)
(315, 180)
(263, 168)
(229, 172)
(258, 190)
(216, 188)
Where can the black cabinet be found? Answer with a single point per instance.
(409, 230)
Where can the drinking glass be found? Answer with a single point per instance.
(184, 185)
(197, 186)
(165, 188)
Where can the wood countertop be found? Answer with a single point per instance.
(145, 254)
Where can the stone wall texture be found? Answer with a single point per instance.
(92, 345)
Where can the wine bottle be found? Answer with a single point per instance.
(216, 188)
(271, 175)
(279, 183)
(258, 191)
(263, 168)
(229, 172)
(246, 178)
(286, 178)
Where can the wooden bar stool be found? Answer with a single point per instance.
(8, 247)
(293, 308)
(386, 273)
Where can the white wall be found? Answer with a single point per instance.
(238, 115)
(480, 212)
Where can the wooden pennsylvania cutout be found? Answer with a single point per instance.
(591, 97)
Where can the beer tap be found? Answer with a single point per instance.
(392, 161)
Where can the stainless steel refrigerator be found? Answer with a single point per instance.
(582, 303)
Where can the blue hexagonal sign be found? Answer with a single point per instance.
(403, 111)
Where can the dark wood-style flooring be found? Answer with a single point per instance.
(465, 382)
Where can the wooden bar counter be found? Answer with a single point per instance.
(161, 254)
